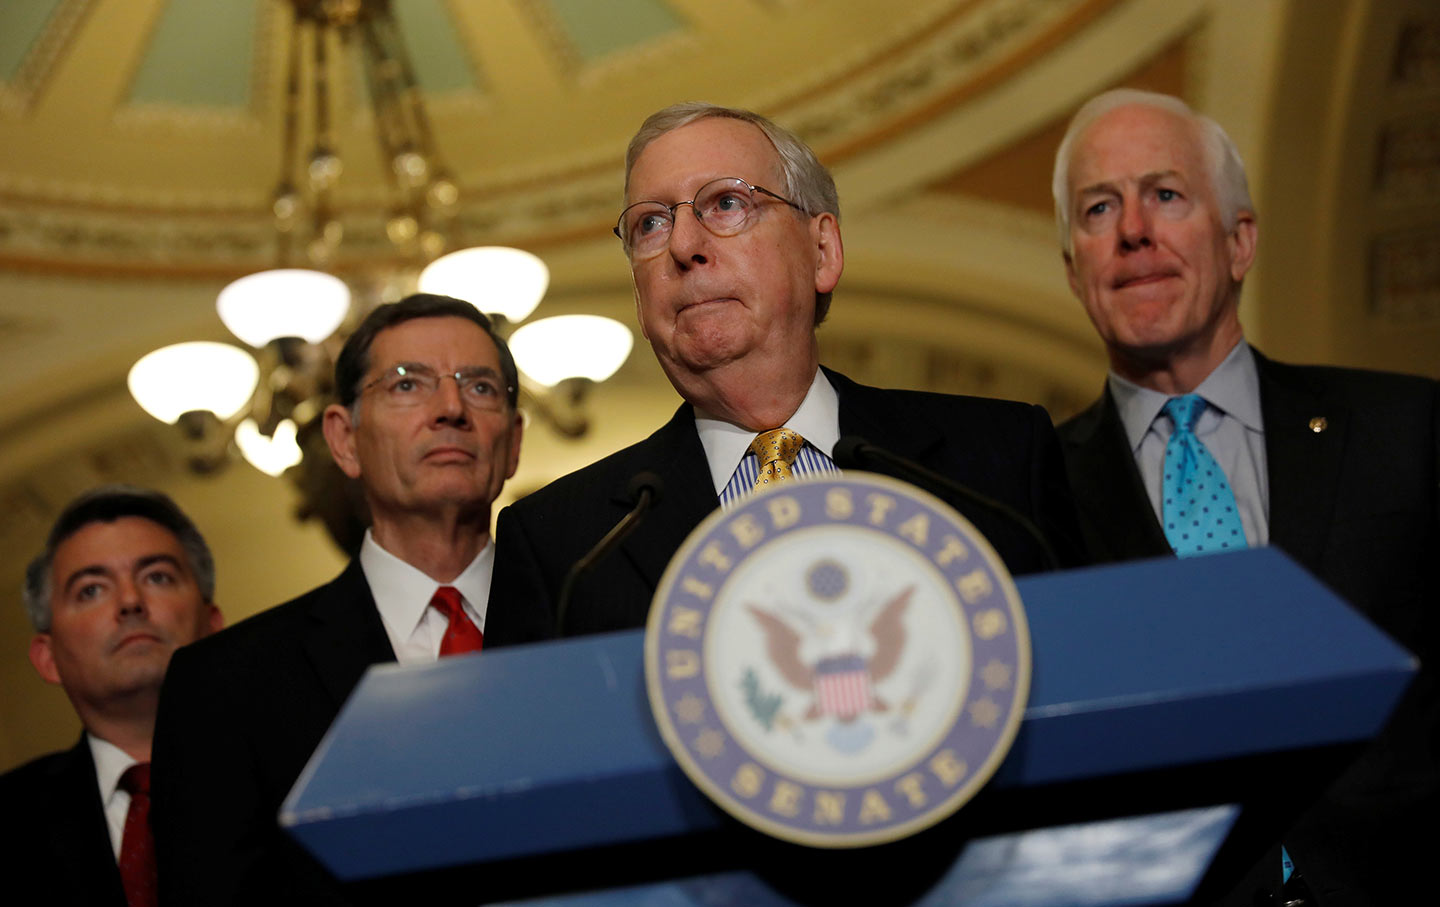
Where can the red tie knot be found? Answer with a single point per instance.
(136, 779)
(447, 601)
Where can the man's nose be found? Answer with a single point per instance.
(447, 403)
(1135, 226)
(131, 600)
(689, 238)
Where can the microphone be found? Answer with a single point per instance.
(643, 490)
(854, 452)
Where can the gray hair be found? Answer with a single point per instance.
(1222, 159)
(803, 179)
(106, 504)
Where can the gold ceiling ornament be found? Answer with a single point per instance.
(424, 193)
(294, 316)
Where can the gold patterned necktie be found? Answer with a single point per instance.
(776, 450)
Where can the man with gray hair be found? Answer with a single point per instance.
(124, 580)
(426, 422)
(729, 293)
(1338, 467)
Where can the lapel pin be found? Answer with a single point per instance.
(1319, 424)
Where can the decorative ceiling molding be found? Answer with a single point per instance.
(954, 61)
(49, 47)
(930, 59)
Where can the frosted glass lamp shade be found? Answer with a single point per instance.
(183, 377)
(571, 346)
(272, 455)
(495, 279)
(284, 302)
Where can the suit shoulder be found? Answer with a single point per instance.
(995, 412)
(1359, 383)
(607, 475)
(32, 780)
(253, 639)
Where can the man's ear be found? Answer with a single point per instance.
(214, 620)
(43, 658)
(830, 257)
(339, 428)
(1242, 242)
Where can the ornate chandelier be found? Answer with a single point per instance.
(261, 401)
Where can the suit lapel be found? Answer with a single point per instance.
(1115, 510)
(79, 832)
(1303, 464)
(678, 458)
(345, 635)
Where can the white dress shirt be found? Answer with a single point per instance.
(1231, 427)
(110, 763)
(727, 446)
(402, 596)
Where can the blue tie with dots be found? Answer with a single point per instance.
(1200, 515)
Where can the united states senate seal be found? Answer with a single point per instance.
(839, 662)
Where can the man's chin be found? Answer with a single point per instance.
(138, 675)
(445, 493)
(702, 354)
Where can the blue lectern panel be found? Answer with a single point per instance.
(551, 747)
(1155, 859)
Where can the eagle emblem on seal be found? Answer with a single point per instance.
(836, 652)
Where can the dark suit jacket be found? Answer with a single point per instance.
(240, 714)
(1003, 449)
(59, 852)
(1358, 505)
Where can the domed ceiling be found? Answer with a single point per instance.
(141, 150)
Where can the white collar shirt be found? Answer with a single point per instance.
(402, 596)
(728, 445)
(1232, 428)
(110, 763)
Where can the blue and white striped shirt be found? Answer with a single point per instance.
(727, 447)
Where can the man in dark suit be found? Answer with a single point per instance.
(124, 580)
(1338, 467)
(241, 715)
(729, 294)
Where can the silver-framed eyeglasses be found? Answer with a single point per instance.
(724, 206)
(409, 385)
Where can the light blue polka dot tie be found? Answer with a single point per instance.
(1199, 509)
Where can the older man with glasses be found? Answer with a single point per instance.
(732, 231)
(427, 423)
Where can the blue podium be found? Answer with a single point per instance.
(1172, 703)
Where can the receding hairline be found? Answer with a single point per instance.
(1220, 164)
(777, 162)
(1190, 122)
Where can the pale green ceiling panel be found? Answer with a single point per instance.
(431, 38)
(200, 54)
(597, 29)
(21, 22)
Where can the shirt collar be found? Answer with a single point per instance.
(1233, 388)
(402, 592)
(726, 444)
(110, 763)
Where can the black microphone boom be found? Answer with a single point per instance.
(854, 452)
(644, 490)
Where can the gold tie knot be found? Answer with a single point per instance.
(776, 450)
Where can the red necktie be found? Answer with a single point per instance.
(137, 847)
(461, 635)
